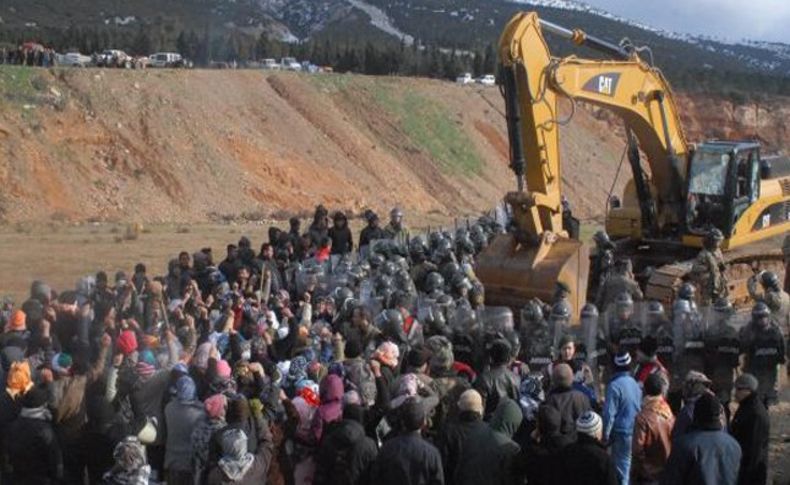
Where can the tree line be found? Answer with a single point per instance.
(365, 56)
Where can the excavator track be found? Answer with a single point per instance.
(742, 263)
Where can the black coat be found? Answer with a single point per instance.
(495, 384)
(450, 441)
(342, 242)
(408, 459)
(571, 404)
(585, 462)
(34, 453)
(345, 455)
(751, 428)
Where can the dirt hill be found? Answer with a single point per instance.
(190, 146)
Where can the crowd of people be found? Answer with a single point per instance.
(28, 55)
(321, 359)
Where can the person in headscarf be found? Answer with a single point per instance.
(331, 408)
(131, 466)
(299, 434)
(216, 407)
(18, 381)
(182, 416)
(16, 326)
(237, 464)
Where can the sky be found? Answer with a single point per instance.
(729, 19)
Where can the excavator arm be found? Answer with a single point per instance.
(533, 83)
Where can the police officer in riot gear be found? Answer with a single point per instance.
(723, 350)
(764, 349)
(601, 262)
(535, 337)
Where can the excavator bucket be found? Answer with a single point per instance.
(513, 273)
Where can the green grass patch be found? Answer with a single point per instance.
(432, 128)
(21, 84)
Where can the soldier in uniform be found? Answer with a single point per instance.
(764, 349)
(722, 351)
(709, 270)
(778, 301)
(622, 281)
(395, 229)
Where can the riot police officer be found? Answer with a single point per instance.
(723, 351)
(764, 348)
(601, 261)
(535, 337)
(689, 334)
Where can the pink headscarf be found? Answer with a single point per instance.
(215, 406)
(331, 408)
(388, 354)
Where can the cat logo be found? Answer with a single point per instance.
(605, 84)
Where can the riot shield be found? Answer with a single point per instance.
(632, 329)
(689, 330)
(464, 318)
(559, 326)
(311, 278)
(588, 329)
(536, 345)
(497, 319)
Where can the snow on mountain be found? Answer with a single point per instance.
(773, 57)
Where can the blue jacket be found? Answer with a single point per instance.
(623, 402)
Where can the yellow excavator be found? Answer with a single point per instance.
(667, 207)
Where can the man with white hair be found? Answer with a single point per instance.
(586, 461)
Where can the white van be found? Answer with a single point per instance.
(465, 78)
(166, 59)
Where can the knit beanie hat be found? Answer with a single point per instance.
(589, 423)
(622, 360)
(747, 381)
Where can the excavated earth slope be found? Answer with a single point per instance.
(192, 146)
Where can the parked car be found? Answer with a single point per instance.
(167, 59)
(487, 80)
(74, 59)
(290, 64)
(114, 58)
(465, 78)
(270, 64)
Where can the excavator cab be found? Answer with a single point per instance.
(723, 181)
